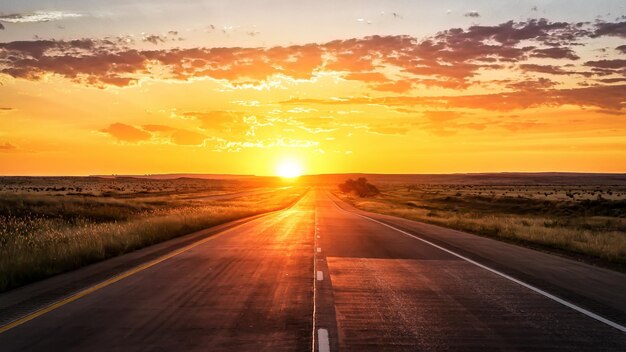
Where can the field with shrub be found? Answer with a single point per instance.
(586, 222)
(52, 225)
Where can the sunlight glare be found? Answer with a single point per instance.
(289, 169)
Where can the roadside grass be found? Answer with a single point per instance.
(592, 230)
(41, 237)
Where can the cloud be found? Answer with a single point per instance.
(390, 130)
(515, 126)
(617, 29)
(155, 134)
(550, 69)
(7, 147)
(237, 146)
(540, 83)
(127, 133)
(613, 80)
(604, 97)
(154, 39)
(1, 26)
(400, 86)
(177, 135)
(555, 53)
(38, 16)
(472, 14)
(214, 120)
(621, 49)
(452, 59)
(610, 64)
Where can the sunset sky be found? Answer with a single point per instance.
(135, 87)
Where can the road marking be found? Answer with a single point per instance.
(103, 284)
(320, 275)
(322, 335)
(319, 250)
(114, 279)
(314, 313)
(318, 236)
(519, 282)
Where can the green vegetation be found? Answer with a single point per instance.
(360, 187)
(584, 222)
(43, 235)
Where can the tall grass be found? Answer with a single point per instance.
(598, 238)
(33, 247)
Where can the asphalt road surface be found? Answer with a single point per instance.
(312, 277)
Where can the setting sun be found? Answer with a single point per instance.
(289, 169)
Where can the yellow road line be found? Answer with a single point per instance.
(103, 284)
(133, 271)
(122, 276)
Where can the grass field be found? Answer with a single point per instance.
(54, 229)
(586, 222)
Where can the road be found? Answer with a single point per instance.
(310, 277)
(233, 195)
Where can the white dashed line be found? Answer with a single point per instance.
(322, 336)
(319, 250)
(320, 275)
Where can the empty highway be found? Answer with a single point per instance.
(324, 277)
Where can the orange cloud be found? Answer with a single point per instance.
(612, 97)
(176, 135)
(126, 133)
(7, 147)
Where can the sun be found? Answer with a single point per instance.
(289, 169)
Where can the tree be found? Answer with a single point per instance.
(360, 187)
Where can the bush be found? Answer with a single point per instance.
(360, 187)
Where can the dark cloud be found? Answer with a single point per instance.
(1, 26)
(610, 64)
(550, 69)
(621, 49)
(540, 83)
(617, 29)
(613, 80)
(154, 39)
(472, 14)
(449, 59)
(555, 53)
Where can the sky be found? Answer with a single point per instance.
(138, 87)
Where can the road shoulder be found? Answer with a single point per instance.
(596, 289)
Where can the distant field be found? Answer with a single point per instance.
(587, 222)
(52, 225)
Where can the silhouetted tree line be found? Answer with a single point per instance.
(360, 187)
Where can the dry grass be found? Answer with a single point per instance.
(43, 236)
(590, 229)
